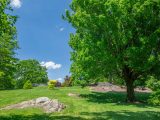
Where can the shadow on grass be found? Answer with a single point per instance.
(39, 117)
(124, 115)
(108, 97)
(108, 115)
(116, 97)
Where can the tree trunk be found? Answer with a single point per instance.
(130, 91)
(129, 77)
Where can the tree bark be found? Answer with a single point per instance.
(129, 77)
(130, 91)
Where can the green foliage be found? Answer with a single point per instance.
(141, 82)
(153, 83)
(155, 98)
(8, 45)
(30, 70)
(118, 37)
(118, 81)
(27, 85)
(19, 84)
(52, 84)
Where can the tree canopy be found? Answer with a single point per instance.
(8, 45)
(118, 37)
(30, 70)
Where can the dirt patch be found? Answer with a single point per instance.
(74, 95)
(115, 88)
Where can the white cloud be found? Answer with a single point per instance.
(61, 29)
(51, 65)
(16, 3)
(60, 79)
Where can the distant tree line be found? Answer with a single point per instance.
(30, 70)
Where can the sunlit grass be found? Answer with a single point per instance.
(89, 106)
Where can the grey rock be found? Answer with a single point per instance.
(48, 105)
(42, 100)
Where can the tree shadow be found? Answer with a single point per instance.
(116, 97)
(124, 115)
(107, 97)
(39, 117)
(107, 115)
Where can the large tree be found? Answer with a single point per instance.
(115, 37)
(30, 70)
(8, 44)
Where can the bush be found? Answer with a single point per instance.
(27, 85)
(52, 84)
(153, 83)
(155, 98)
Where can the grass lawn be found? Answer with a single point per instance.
(90, 106)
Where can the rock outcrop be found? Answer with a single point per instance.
(48, 105)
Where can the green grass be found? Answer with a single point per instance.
(90, 106)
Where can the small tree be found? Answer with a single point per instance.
(67, 81)
(52, 84)
(27, 85)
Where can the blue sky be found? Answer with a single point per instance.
(43, 34)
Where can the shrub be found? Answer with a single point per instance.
(153, 83)
(52, 84)
(27, 85)
(155, 98)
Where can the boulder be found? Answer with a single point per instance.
(42, 100)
